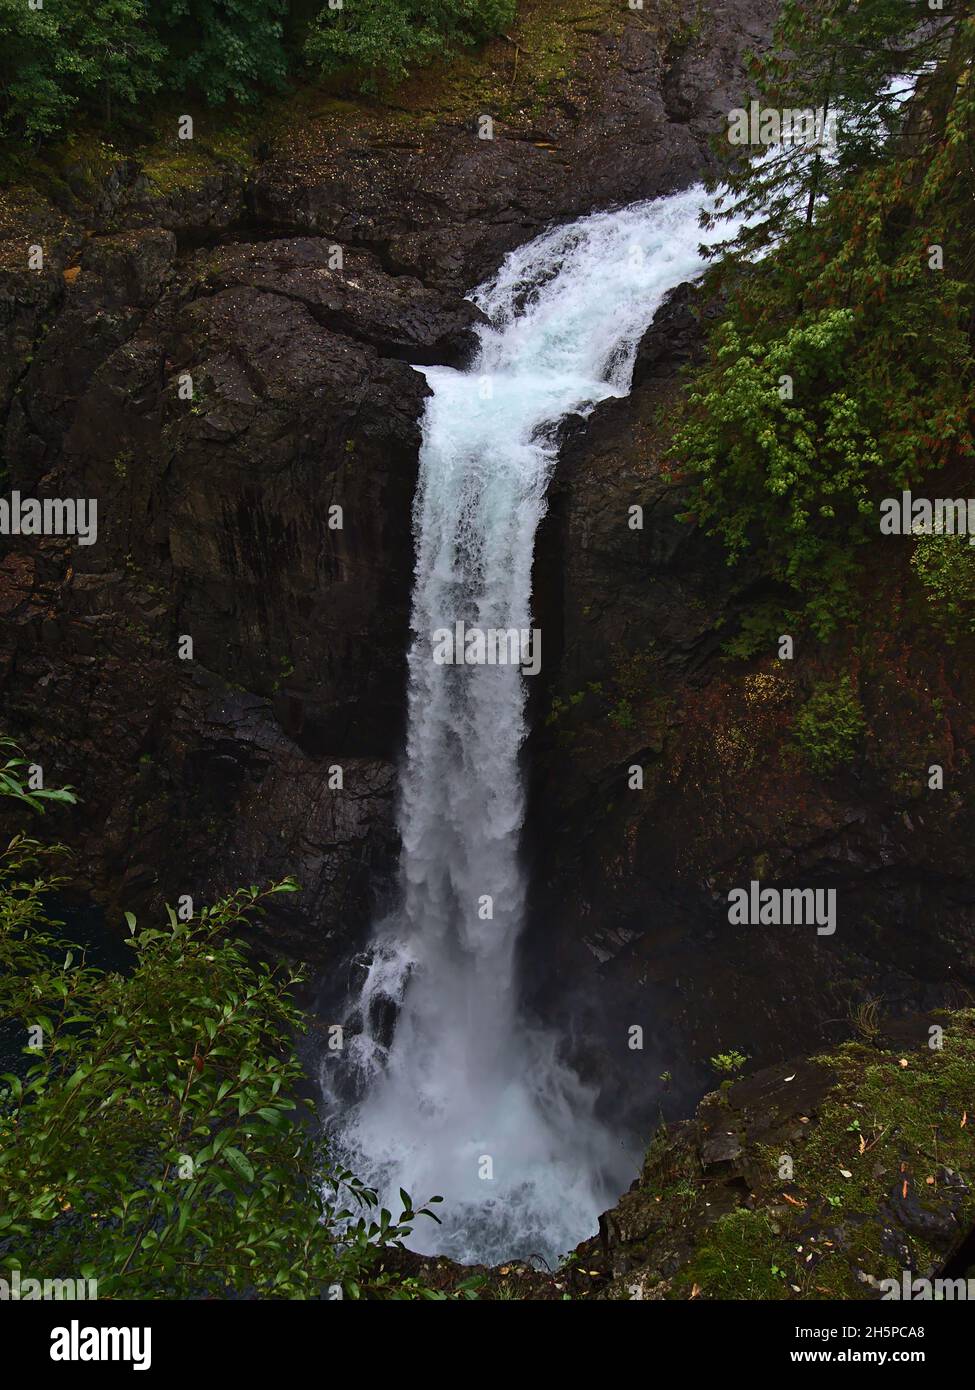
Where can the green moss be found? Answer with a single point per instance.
(621, 716)
(173, 171)
(886, 1137)
(514, 75)
(38, 183)
(121, 464)
(915, 1109)
(740, 1259)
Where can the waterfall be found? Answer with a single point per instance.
(458, 1095)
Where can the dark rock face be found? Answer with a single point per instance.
(637, 879)
(398, 315)
(272, 748)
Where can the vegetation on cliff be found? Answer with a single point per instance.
(842, 372)
(110, 57)
(390, 36)
(154, 1137)
(815, 1180)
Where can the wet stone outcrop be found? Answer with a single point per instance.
(821, 1179)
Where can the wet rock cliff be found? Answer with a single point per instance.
(669, 758)
(216, 348)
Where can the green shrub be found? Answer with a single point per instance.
(843, 369)
(830, 725)
(153, 1138)
(788, 475)
(945, 565)
(390, 36)
(729, 1063)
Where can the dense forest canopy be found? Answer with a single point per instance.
(106, 57)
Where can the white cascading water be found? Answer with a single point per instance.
(458, 1096)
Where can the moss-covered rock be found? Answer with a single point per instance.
(807, 1181)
